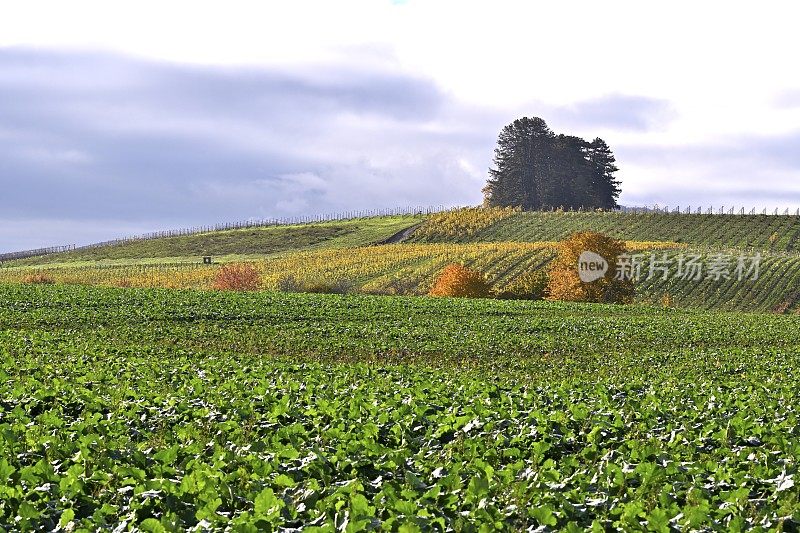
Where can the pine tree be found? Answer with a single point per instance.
(571, 174)
(520, 164)
(606, 185)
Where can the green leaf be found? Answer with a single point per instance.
(26, 510)
(406, 507)
(658, 520)
(167, 456)
(697, 515)
(151, 525)
(284, 481)
(209, 510)
(544, 515)
(360, 508)
(267, 504)
(66, 517)
(478, 486)
(5, 471)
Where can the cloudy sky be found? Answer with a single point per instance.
(123, 117)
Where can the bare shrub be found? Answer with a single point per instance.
(39, 278)
(339, 286)
(400, 286)
(289, 284)
(237, 277)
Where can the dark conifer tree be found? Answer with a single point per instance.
(521, 163)
(570, 178)
(606, 185)
(536, 169)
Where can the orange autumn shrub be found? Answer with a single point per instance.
(459, 281)
(38, 278)
(237, 277)
(564, 278)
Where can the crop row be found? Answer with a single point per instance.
(777, 286)
(464, 222)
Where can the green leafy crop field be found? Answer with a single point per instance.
(172, 410)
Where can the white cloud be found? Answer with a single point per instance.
(720, 64)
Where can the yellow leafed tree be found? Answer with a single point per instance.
(565, 281)
(459, 281)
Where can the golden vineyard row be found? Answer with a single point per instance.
(463, 222)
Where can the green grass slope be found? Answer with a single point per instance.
(266, 411)
(763, 232)
(250, 242)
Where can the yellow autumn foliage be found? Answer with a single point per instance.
(386, 269)
(463, 222)
(460, 282)
(564, 278)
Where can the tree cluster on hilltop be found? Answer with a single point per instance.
(534, 168)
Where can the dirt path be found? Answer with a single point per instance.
(401, 235)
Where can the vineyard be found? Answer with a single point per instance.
(176, 410)
(410, 269)
(127, 405)
(385, 269)
(779, 233)
(465, 222)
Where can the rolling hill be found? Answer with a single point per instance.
(235, 243)
(403, 254)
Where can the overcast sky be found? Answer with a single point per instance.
(124, 117)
